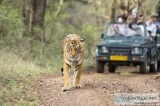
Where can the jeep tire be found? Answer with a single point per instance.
(100, 66)
(158, 66)
(144, 66)
(111, 68)
(154, 66)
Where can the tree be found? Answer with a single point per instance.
(124, 7)
(34, 13)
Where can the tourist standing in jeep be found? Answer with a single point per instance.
(151, 27)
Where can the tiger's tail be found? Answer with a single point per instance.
(62, 71)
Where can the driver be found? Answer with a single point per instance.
(120, 26)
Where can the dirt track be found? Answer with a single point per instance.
(98, 89)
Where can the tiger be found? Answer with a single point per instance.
(73, 55)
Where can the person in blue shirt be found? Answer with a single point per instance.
(156, 22)
(151, 28)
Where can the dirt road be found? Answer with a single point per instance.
(98, 89)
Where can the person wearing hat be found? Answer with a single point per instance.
(156, 22)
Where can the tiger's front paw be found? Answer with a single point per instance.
(66, 88)
(78, 86)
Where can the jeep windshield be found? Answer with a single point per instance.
(122, 29)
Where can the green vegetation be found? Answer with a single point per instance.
(16, 80)
(25, 54)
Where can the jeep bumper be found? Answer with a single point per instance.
(120, 58)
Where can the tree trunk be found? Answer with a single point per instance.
(1, 1)
(58, 9)
(113, 10)
(39, 10)
(96, 10)
(158, 9)
(123, 7)
(34, 13)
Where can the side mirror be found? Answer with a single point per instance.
(102, 36)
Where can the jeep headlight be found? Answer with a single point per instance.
(136, 50)
(104, 49)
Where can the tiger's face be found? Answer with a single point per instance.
(74, 50)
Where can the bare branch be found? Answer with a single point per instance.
(59, 8)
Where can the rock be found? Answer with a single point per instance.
(157, 77)
(40, 80)
(153, 90)
(129, 89)
(90, 72)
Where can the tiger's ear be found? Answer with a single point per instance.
(82, 40)
(68, 39)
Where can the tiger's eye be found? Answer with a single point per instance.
(77, 46)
